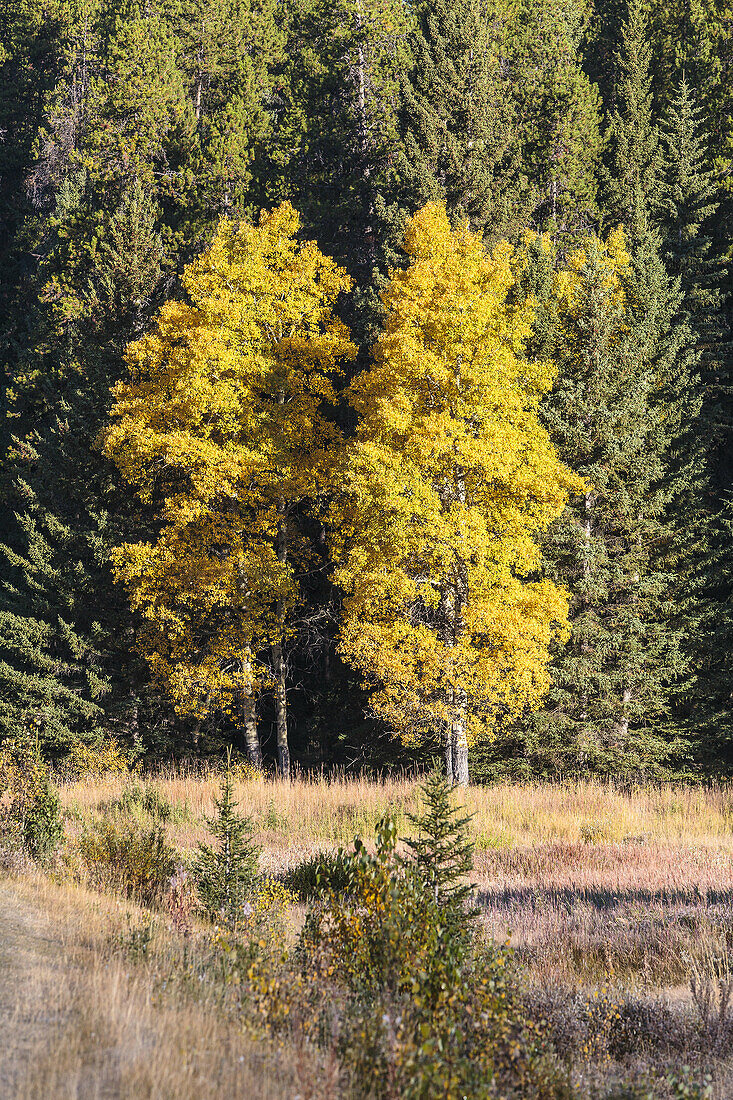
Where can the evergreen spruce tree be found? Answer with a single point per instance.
(688, 199)
(442, 852)
(31, 62)
(68, 663)
(624, 399)
(632, 175)
(65, 634)
(50, 675)
(230, 53)
(557, 115)
(458, 130)
(340, 116)
(707, 702)
(225, 873)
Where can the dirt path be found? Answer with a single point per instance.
(29, 957)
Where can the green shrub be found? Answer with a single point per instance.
(392, 917)
(317, 874)
(384, 927)
(42, 825)
(120, 854)
(144, 799)
(683, 1087)
(29, 803)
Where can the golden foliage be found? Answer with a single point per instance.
(107, 758)
(446, 487)
(220, 428)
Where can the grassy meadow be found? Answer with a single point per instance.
(617, 907)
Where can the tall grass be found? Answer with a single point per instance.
(597, 889)
(87, 1023)
(319, 810)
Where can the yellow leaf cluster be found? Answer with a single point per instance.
(220, 429)
(610, 257)
(446, 486)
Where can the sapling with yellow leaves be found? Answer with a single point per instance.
(220, 428)
(445, 488)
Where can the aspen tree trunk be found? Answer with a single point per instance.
(446, 604)
(278, 667)
(454, 594)
(448, 754)
(251, 735)
(459, 723)
(281, 711)
(249, 716)
(459, 740)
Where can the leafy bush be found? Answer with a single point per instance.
(82, 760)
(31, 815)
(391, 917)
(144, 798)
(679, 1086)
(383, 927)
(683, 1087)
(225, 873)
(120, 854)
(318, 874)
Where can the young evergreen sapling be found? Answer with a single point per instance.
(442, 852)
(224, 872)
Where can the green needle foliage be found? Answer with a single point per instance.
(224, 873)
(442, 852)
(458, 137)
(633, 174)
(625, 394)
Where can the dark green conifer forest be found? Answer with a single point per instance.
(129, 129)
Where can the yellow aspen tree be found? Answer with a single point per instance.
(445, 488)
(220, 428)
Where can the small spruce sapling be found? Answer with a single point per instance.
(442, 852)
(224, 873)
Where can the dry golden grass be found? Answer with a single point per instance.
(595, 887)
(82, 1022)
(310, 812)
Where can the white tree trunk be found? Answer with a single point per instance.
(459, 740)
(251, 736)
(281, 712)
